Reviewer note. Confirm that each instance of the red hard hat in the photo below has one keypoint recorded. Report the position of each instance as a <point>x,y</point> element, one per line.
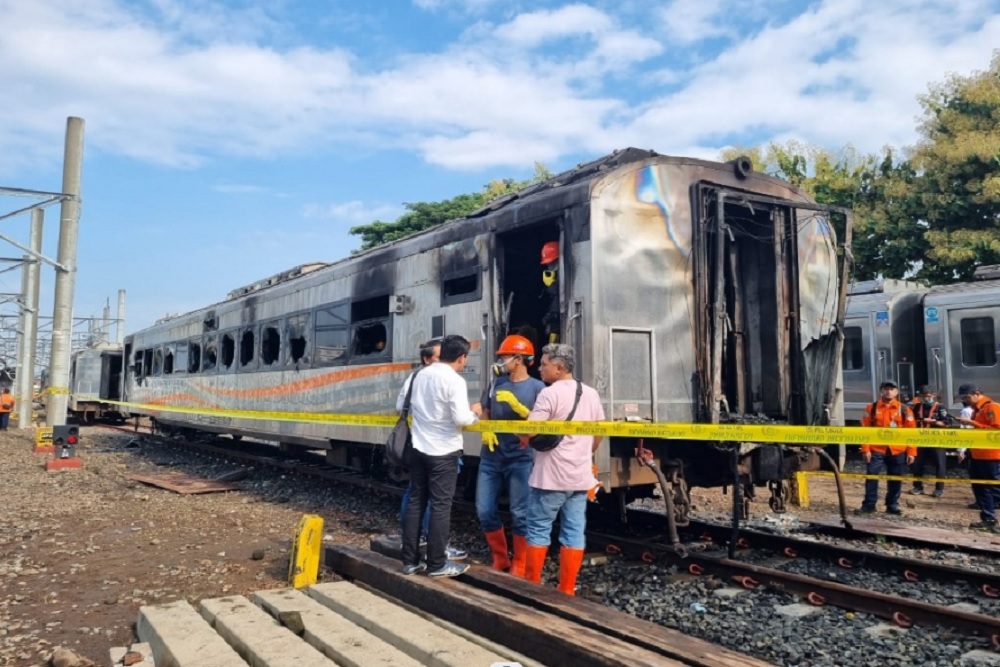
<point>550,252</point>
<point>515,344</point>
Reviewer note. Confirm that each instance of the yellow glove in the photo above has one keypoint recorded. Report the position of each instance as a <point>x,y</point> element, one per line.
<point>508,397</point>
<point>490,441</point>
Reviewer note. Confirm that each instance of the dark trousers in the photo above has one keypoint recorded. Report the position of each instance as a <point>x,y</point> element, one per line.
<point>433,480</point>
<point>987,495</point>
<point>933,457</point>
<point>894,464</point>
<point>4,420</point>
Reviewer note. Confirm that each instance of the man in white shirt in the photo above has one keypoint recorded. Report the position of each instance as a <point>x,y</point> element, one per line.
<point>440,409</point>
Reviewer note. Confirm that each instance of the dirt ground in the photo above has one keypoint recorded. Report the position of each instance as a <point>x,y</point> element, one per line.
<point>82,550</point>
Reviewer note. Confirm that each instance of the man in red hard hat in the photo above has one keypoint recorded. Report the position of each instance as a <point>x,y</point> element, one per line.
<point>502,461</point>
<point>550,264</point>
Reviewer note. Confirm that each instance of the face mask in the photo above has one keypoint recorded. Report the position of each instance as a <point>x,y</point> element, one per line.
<point>927,400</point>
<point>501,367</point>
<point>548,278</point>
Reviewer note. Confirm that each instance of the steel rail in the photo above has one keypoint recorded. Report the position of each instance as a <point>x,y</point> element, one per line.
<point>902,611</point>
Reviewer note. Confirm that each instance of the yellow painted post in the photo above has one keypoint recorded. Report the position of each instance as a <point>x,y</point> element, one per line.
<point>303,569</point>
<point>801,490</point>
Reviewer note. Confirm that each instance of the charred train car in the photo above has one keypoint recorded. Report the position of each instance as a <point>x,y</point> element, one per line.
<point>693,291</point>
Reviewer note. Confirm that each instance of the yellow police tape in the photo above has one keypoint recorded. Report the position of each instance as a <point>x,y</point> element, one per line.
<point>792,435</point>
<point>902,478</point>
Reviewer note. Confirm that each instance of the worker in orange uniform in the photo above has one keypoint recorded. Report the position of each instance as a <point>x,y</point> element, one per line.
<point>503,463</point>
<point>6,407</point>
<point>888,412</point>
<point>550,264</point>
<point>985,463</point>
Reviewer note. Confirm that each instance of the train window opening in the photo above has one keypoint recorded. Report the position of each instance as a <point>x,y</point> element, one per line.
<point>979,344</point>
<point>168,360</point>
<point>460,273</point>
<point>157,361</point>
<point>246,348</point>
<point>147,363</point>
<point>228,351</point>
<point>296,337</point>
<point>534,307</point>
<point>370,309</point>
<point>194,357</point>
<point>332,334</point>
<point>137,367</point>
<point>854,350</point>
<point>370,339</point>
<point>270,344</point>
<point>210,354</point>
<point>179,359</point>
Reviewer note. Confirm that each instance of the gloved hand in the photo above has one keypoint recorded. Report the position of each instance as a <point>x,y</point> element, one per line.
<point>592,493</point>
<point>490,441</point>
<point>508,397</point>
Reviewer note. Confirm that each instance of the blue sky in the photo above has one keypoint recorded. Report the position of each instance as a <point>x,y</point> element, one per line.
<point>230,140</point>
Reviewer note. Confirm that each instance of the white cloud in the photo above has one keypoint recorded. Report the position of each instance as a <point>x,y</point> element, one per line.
<point>352,212</point>
<point>188,84</point>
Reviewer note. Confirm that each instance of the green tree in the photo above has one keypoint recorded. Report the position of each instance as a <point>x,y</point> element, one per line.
<point>877,189</point>
<point>958,159</point>
<point>424,215</point>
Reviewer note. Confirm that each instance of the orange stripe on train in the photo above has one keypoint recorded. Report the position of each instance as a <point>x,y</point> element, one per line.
<point>309,383</point>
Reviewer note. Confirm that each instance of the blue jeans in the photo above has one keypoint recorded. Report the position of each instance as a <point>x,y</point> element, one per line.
<point>425,524</point>
<point>494,475</point>
<point>894,464</point>
<point>544,506</point>
<point>987,495</point>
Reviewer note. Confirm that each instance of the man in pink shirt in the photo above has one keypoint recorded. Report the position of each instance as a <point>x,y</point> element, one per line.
<point>562,476</point>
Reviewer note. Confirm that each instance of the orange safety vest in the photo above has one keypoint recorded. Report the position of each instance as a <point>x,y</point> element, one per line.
<point>888,415</point>
<point>6,403</point>
<point>986,414</point>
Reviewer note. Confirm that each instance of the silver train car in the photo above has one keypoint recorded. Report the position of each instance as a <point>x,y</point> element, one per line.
<point>943,336</point>
<point>693,291</point>
<point>95,379</point>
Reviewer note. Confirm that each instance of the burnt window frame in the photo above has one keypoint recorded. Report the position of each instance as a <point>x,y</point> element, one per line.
<point>991,348</point>
<point>361,317</point>
<point>138,369</point>
<point>191,345</point>
<point>278,363</point>
<point>157,362</point>
<point>861,349</point>
<point>176,348</point>
<point>205,340</point>
<point>456,262</point>
<point>318,328</point>
<point>169,353</point>
<point>307,330</point>
<point>234,335</point>
<point>253,364</point>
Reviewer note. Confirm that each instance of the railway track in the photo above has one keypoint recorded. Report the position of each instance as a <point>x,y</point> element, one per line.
<point>702,556</point>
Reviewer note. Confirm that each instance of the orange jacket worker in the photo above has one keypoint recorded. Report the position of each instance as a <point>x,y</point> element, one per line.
<point>887,412</point>
<point>6,407</point>
<point>985,463</point>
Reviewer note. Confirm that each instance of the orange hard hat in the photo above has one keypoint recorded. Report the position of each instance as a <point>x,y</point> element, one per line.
<point>550,252</point>
<point>515,344</point>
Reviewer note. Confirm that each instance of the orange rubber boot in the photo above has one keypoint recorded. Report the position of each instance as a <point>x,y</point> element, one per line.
<point>534,560</point>
<point>498,547</point>
<point>520,553</point>
<point>570,561</point>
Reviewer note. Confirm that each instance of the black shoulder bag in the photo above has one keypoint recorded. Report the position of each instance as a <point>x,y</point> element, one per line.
<point>544,442</point>
<point>400,442</point>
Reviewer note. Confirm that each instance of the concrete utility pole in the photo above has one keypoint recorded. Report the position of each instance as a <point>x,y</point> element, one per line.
<point>120,329</point>
<point>62,312</point>
<point>29,332</point>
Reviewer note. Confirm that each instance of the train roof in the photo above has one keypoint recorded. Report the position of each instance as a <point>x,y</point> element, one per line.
<point>570,188</point>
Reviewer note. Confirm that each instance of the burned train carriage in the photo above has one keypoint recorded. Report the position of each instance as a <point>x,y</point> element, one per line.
<point>693,291</point>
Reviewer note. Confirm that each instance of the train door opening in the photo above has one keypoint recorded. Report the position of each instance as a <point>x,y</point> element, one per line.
<point>747,286</point>
<point>528,291</point>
